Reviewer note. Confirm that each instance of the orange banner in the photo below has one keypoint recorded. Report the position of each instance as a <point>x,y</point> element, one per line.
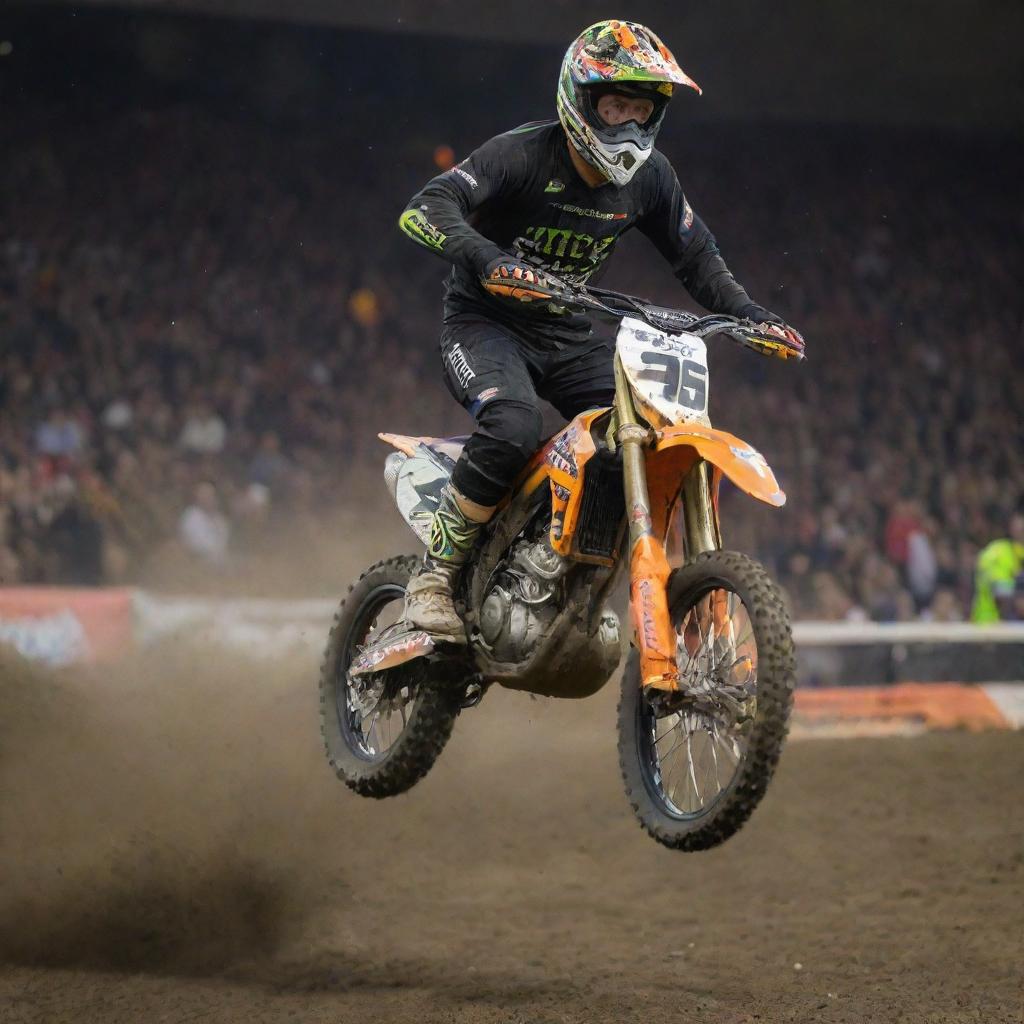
<point>61,626</point>
<point>933,705</point>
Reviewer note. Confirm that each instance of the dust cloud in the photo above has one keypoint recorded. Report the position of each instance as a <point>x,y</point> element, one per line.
<point>173,812</point>
<point>147,814</point>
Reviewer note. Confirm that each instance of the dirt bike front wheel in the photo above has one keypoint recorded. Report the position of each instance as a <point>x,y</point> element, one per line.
<point>382,732</point>
<point>697,764</point>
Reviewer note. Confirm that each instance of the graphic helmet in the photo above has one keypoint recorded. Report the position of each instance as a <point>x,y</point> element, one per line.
<point>623,57</point>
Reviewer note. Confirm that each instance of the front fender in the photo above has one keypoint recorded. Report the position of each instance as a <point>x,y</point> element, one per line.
<point>743,465</point>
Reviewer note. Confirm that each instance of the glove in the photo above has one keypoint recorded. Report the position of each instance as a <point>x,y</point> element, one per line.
<point>510,278</point>
<point>760,315</point>
<point>792,342</point>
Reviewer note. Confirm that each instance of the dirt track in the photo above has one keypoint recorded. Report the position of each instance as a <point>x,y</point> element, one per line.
<point>173,848</point>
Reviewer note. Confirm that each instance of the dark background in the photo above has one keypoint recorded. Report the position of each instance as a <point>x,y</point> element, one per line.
<point>949,62</point>
<point>197,216</point>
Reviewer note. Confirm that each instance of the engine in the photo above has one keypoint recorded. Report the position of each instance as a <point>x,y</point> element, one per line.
<point>524,600</point>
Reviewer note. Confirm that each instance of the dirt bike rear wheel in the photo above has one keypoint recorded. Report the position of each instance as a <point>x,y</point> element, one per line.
<point>370,753</point>
<point>737,663</point>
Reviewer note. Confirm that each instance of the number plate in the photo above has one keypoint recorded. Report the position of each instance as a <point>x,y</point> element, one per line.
<point>667,372</point>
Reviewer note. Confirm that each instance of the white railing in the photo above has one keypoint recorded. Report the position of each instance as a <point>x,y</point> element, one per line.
<point>268,627</point>
<point>838,634</point>
<point>159,615</point>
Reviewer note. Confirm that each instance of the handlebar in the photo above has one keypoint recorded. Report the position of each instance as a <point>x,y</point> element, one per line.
<point>768,339</point>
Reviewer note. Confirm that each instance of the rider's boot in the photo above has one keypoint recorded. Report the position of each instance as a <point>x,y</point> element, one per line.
<point>429,600</point>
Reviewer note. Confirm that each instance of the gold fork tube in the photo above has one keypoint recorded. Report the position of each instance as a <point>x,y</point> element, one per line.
<point>700,528</point>
<point>648,566</point>
<point>630,437</point>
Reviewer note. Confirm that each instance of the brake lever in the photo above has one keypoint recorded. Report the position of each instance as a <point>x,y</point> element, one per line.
<point>581,301</point>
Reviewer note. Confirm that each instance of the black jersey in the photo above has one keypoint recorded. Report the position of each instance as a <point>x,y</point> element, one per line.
<point>519,193</point>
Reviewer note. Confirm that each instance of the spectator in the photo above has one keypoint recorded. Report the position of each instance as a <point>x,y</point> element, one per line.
<point>204,432</point>
<point>903,522</point>
<point>922,565</point>
<point>59,436</point>
<point>945,607</point>
<point>268,466</point>
<point>999,588</point>
<point>74,538</point>
<point>832,603</point>
<point>204,529</point>
<point>159,327</point>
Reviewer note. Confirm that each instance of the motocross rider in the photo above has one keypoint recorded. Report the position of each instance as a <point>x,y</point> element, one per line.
<point>541,205</point>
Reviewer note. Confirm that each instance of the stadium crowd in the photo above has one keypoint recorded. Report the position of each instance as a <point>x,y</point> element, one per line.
<point>202,327</point>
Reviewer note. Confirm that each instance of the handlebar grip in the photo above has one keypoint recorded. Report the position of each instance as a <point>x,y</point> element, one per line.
<point>768,342</point>
<point>513,288</point>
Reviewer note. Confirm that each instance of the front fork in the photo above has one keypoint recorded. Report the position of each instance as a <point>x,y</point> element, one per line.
<point>648,566</point>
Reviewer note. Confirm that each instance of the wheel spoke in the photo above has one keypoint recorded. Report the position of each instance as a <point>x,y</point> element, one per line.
<point>675,785</point>
<point>371,726</point>
<point>727,746</point>
<point>675,746</point>
<point>693,774</point>
<point>714,755</point>
<point>670,731</point>
<point>700,760</point>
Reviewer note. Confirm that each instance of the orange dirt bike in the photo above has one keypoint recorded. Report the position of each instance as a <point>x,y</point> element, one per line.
<point>707,687</point>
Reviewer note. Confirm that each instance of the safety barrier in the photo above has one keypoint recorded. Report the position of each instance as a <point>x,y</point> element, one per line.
<point>831,653</point>
<point>919,669</point>
<point>910,706</point>
<point>61,626</point>
<point>841,653</point>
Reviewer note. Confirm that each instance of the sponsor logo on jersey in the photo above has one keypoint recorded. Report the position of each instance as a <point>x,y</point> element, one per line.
<point>461,369</point>
<point>582,211</point>
<point>482,399</point>
<point>573,255</point>
<point>554,185</point>
<point>415,224</point>
<point>687,215</point>
<point>457,169</point>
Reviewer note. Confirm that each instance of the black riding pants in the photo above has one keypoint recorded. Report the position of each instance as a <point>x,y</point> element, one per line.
<point>501,378</point>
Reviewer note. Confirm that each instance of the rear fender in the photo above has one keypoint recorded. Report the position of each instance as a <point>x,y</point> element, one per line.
<point>415,475</point>
<point>445,450</point>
